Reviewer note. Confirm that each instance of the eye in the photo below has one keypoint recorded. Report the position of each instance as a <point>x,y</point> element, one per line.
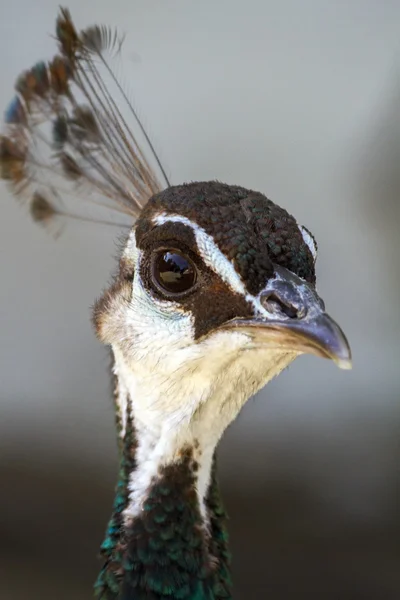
<point>173,272</point>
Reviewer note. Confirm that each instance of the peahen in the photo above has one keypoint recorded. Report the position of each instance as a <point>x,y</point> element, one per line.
<point>214,296</point>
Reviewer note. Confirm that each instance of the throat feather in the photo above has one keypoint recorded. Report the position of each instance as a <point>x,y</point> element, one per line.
<point>165,550</point>
<point>167,535</point>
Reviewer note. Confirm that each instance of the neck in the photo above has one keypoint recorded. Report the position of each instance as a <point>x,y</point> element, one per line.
<point>167,533</point>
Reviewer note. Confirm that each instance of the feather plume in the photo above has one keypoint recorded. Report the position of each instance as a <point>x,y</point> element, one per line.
<point>44,212</point>
<point>66,139</point>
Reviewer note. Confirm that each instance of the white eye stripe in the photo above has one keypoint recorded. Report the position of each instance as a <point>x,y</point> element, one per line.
<point>217,261</point>
<point>309,240</point>
<point>209,251</point>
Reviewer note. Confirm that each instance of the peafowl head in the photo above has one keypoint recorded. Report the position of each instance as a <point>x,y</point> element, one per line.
<point>215,295</point>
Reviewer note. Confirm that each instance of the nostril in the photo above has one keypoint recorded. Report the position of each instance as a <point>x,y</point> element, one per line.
<point>276,305</point>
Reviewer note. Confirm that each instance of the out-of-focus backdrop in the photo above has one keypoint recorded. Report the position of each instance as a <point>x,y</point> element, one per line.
<point>300,100</point>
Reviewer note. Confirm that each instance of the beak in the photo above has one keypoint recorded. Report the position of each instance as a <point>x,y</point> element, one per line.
<point>292,317</point>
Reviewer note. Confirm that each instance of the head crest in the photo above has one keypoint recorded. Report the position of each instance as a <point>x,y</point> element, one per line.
<point>66,136</point>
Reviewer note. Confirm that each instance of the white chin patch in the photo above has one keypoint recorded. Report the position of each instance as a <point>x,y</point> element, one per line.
<point>309,240</point>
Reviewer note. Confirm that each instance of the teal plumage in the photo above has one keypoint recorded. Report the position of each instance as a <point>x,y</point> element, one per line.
<point>108,582</point>
<point>164,552</point>
<point>219,540</point>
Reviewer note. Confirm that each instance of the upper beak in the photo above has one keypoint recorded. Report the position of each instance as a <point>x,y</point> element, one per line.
<point>292,317</point>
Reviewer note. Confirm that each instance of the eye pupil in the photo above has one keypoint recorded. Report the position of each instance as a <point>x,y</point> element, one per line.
<point>174,272</point>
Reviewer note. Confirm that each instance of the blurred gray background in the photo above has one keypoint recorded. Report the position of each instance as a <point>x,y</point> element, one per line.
<point>300,100</point>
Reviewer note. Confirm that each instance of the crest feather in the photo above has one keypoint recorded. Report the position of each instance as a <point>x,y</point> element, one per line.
<point>66,137</point>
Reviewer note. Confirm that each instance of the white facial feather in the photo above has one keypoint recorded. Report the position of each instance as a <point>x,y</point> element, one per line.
<point>309,240</point>
<point>209,252</point>
<point>184,392</point>
<point>122,399</point>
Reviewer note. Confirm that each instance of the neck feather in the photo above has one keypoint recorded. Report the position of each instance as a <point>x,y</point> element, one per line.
<point>166,536</point>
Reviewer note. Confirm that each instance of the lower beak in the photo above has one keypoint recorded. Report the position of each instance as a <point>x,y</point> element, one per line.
<point>320,336</point>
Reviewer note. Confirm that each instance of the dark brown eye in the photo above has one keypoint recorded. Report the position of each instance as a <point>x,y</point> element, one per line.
<point>174,272</point>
